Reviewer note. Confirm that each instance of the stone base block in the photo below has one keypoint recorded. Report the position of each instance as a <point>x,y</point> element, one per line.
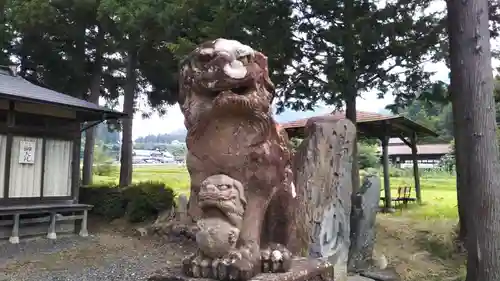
<point>302,270</point>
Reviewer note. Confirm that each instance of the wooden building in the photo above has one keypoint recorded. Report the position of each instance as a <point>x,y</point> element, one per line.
<point>429,155</point>
<point>40,137</point>
<point>383,127</point>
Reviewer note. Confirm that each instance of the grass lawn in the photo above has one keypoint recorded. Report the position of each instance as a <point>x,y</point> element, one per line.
<point>438,190</point>
<point>417,240</point>
<point>173,176</point>
<point>439,197</point>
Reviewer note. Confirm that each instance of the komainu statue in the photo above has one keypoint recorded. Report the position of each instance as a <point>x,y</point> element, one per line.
<point>234,143</point>
<point>222,201</point>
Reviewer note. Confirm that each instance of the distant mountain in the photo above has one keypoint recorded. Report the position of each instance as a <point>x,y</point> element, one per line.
<point>290,115</point>
<point>180,132</point>
<point>385,112</point>
<point>178,135</point>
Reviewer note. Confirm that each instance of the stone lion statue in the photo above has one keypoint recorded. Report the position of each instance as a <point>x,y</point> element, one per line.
<point>222,201</point>
<point>225,94</point>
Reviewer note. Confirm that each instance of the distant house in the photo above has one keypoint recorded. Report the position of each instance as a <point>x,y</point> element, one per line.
<point>152,156</point>
<point>428,155</point>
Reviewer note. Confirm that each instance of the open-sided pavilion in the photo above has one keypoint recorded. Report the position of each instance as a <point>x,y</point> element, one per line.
<point>383,127</point>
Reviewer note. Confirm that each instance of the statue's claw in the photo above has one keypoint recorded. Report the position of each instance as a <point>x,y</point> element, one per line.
<point>198,266</point>
<point>275,258</point>
<point>239,265</point>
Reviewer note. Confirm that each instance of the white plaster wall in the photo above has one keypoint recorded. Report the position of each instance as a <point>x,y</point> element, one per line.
<point>57,177</point>
<point>25,179</point>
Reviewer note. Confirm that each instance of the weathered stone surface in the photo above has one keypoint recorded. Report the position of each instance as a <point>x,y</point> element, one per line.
<point>222,201</point>
<point>301,270</point>
<point>225,95</point>
<point>364,212</point>
<point>182,208</point>
<point>358,278</point>
<point>323,182</point>
<point>388,274</point>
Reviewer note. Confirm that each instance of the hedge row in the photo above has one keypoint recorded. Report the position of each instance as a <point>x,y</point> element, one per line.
<point>137,203</point>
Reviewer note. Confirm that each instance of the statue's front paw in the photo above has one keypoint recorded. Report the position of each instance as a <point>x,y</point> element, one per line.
<point>276,258</point>
<point>198,266</point>
<point>240,265</point>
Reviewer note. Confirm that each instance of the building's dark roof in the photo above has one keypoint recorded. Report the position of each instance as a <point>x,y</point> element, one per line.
<point>18,88</point>
<point>369,124</point>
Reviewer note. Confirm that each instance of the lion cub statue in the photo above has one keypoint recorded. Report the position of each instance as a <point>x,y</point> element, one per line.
<point>222,201</point>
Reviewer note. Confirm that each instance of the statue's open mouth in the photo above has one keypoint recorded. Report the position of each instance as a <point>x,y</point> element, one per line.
<point>240,91</point>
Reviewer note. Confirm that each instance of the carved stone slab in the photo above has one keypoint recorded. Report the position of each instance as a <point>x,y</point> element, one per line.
<point>302,270</point>
<point>323,180</point>
<point>365,208</point>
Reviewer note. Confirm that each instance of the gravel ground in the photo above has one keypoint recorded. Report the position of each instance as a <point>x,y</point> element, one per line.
<point>104,256</point>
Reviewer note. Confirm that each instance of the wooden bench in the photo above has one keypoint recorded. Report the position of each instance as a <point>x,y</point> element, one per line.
<point>404,196</point>
<point>52,209</point>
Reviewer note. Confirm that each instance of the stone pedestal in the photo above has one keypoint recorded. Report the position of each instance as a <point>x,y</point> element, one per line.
<point>302,270</point>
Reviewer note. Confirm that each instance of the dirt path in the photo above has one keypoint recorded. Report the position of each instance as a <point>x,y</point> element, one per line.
<point>108,255</point>
<point>418,251</point>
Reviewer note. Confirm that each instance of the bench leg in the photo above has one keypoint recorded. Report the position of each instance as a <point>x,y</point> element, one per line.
<point>83,228</point>
<point>14,238</point>
<point>52,227</point>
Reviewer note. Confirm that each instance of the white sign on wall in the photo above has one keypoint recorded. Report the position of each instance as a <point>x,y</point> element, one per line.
<point>27,152</point>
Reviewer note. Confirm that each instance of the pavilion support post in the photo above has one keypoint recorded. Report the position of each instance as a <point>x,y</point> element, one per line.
<point>416,174</point>
<point>385,165</point>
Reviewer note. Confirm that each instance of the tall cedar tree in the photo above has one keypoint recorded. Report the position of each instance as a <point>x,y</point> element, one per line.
<point>438,93</point>
<point>474,112</point>
<point>348,47</point>
<point>68,57</point>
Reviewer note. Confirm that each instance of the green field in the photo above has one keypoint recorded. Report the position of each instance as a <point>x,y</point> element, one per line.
<point>438,189</point>
<point>439,197</point>
<point>173,176</point>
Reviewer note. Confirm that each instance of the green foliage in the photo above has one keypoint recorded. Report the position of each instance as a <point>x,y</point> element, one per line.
<point>103,164</point>
<point>448,161</point>
<point>368,155</point>
<point>361,51</point>
<point>295,143</point>
<point>434,115</point>
<point>147,199</point>
<point>162,138</point>
<point>107,200</point>
<point>139,202</point>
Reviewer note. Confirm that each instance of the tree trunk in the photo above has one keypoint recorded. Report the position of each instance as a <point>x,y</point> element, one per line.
<point>4,57</point>
<point>472,87</point>
<point>350,92</point>
<point>351,115</point>
<point>460,167</point>
<point>95,90</point>
<point>128,108</point>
